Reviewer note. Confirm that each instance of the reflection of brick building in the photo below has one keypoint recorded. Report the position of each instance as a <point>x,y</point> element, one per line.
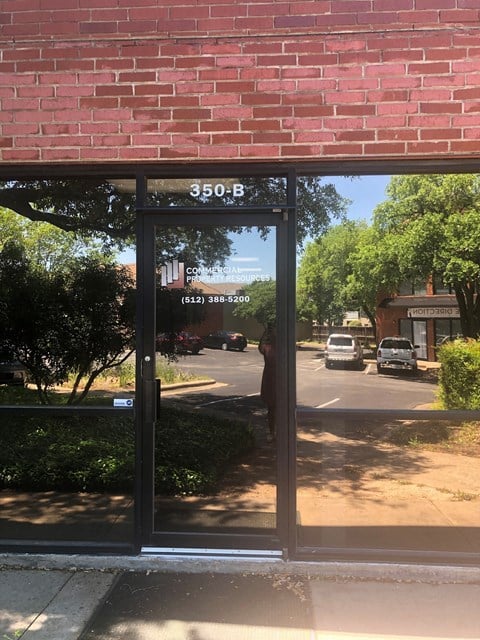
<point>426,314</point>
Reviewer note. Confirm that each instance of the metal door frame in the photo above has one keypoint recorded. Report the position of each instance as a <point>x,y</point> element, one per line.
<point>147,540</point>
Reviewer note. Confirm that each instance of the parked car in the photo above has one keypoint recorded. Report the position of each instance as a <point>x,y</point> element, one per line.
<point>182,342</point>
<point>342,348</point>
<point>11,371</point>
<point>396,353</point>
<point>226,340</point>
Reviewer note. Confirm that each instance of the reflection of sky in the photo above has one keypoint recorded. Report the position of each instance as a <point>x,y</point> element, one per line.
<point>365,192</point>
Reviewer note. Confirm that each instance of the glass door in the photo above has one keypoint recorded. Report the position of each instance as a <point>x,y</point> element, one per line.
<point>420,338</point>
<point>214,424</point>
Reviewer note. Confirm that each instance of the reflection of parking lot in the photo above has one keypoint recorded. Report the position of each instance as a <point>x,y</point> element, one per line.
<point>316,386</point>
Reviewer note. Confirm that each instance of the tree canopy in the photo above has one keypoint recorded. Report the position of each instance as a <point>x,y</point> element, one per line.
<point>324,275</point>
<point>430,227</point>
<point>102,208</point>
<point>261,304</point>
<point>78,320</point>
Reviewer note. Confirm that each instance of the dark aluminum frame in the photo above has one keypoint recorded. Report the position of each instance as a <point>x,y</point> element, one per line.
<point>283,219</point>
<point>287,271</point>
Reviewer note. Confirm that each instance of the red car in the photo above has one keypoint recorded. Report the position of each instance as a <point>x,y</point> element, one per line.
<point>182,342</point>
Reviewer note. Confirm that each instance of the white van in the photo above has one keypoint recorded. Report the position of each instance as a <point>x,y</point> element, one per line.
<point>342,348</point>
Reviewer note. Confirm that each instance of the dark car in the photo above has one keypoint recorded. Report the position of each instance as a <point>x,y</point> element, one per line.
<point>226,340</point>
<point>182,342</point>
<point>12,372</point>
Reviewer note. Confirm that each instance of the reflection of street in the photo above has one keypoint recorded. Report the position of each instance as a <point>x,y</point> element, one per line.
<point>316,386</point>
<point>360,483</point>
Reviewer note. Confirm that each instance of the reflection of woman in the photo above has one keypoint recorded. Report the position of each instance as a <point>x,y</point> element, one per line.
<point>267,348</point>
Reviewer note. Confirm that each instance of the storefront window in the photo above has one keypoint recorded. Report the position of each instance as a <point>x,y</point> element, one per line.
<point>446,330</point>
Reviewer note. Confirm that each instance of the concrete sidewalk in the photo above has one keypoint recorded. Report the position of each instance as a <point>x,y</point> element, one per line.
<point>218,600</point>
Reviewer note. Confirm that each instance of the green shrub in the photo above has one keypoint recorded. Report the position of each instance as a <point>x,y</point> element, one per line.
<point>67,453</point>
<point>193,450</point>
<point>459,377</point>
<point>97,453</point>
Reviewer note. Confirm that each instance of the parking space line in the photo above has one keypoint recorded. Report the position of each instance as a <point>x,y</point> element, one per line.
<point>325,404</point>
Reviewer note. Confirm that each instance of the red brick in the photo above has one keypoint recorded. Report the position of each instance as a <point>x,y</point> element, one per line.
<point>174,152</point>
<point>96,128</point>
<point>397,108</point>
<point>216,25</point>
<point>397,134</point>
<point>343,123</point>
<point>347,150</point>
<point>60,129</point>
<point>355,109</point>
<point>98,154</point>
<point>219,152</point>
<point>179,127</point>
<point>460,16</point>
<point>111,141</point>
<point>20,129</point>
<point>294,22</point>
<point>313,136</point>
<point>253,24</point>
<point>255,124</point>
<point>220,125</point>
<point>21,155</point>
<point>143,102</point>
<point>194,62</point>
<point>261,98</point>
<point>52,155</point>
<point>441,134</point>
<point>262,151</point>
<point>435,4</point>
<point>98,103</point>
<point>114,90</point>
<point>426,148</point>
<point>471,107</point>
<point>111,114</point>
<point>278,8</point>
<point>137,76</point>
<point>148,115</point>
<point>313,111</point>
<point>217,100</point>
<point>465,146</point>
<point>393,5</point>
<point>428,68</point>
<point>272,138</point>
<point>233,138</point>
<point>345,97</point>
<point>241,87</point>
<point>271,112</point>
<point>355,136</point>
<point>441,107</point>
<point>240,113</point>
<point>145,139</point>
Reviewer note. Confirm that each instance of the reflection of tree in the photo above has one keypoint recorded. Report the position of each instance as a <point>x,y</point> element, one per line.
<point>172,315</point>
<point>430,226</point>
<point>78,320</point>
<point>100,207</point>
<point>261,304</point>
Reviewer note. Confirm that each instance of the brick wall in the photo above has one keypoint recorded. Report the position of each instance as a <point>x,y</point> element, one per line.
<point>148,80</point>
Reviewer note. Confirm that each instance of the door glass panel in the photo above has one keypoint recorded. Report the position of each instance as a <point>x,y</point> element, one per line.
<point>215,460</point>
